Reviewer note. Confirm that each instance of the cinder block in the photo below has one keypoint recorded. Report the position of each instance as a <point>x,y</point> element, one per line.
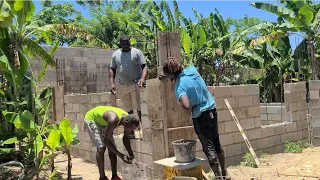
<point>82,153</point>
<point>141,146</point>
<point>290,127</point>
<point>255,100</point>
<point>292,107</point>
<point>219,103</point>
<point>263,143</point>
<point>147,134</point>
<point>289,87</point>
<point>245,101</point>
<point>302,125</point>
<point>224,115</point>
<point>233,150</point>
<point>267,131</point>
<point>254,133</point>
<point>86,145</point>
<point>303,96</point>
<point>76,99</point>
<point>252,89</point>
<point>144,109</point>
<point>237,137</point>
<point>143,95</point>
<point>95,98</point>
<point>107,97</point>
<point>68,108</point>
<point>314,94</point>
<point>233,101</point>
<point>301,87</point>
<point>71,116</point>
<point>314,85</point>
<point>301,105</point>
<point>247,123</point>
<point>280,129</point>
<point>221,127</point>
<point>75,151</point>
<point>274,140</point>
<point>253,111</point>
<point>222,91</point>
<point>88,156</point>
<point>230,126</point>
<point>226,139</point>
<point>75,107</point>
<point>146,123</point>
<point>238,90</point>
<point>257,122</point>
<point>314,103</point>
<point>279,148</point>
<point>305,133</point>
<point>286,137</point>
<point>241,113</point>
<point>297,135</point>
<point>80,116</point>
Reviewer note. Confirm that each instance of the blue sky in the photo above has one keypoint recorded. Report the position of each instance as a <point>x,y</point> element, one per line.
<point>234,9</point>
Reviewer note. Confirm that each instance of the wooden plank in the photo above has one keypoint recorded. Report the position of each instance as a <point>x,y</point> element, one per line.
<point>58,103</point>
<point>205,176</point>
<point>178,128</point>
<point>242,133</point>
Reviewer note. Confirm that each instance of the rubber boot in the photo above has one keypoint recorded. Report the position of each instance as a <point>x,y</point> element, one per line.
<point>224,170</point>
<point>216,169</point>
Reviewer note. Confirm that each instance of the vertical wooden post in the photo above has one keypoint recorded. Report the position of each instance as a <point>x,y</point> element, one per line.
<point>168,45</point>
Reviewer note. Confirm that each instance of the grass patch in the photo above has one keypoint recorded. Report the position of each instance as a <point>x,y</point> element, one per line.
<point>293,147</point>
<point>248,160</point>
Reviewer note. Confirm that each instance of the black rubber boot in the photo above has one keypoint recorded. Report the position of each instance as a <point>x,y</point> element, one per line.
<point>224,170</point>
<point>216,169</point>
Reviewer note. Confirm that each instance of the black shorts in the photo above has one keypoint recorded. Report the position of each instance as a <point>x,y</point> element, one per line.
<point>206,127</point>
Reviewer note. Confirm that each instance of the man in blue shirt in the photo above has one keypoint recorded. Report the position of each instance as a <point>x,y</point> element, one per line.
<point>193,94</point>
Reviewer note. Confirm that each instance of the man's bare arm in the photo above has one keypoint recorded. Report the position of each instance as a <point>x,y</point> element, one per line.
<point>127,145</point>
<point>185,103</point>
<point>144,68</point>
<point>112,74</point>
<point>112,124</point>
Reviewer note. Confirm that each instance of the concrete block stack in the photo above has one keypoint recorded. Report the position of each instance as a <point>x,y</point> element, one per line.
<point>83,70</point>
<point>314,106</point>
<point>272,113</point>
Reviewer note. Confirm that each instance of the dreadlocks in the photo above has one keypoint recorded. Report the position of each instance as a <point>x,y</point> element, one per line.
<point>172,65</point>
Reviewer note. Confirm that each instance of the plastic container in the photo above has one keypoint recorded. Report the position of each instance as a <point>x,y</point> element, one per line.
<point>184,150</point>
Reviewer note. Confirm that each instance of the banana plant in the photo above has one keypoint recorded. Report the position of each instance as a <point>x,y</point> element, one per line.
<point>303,18</point>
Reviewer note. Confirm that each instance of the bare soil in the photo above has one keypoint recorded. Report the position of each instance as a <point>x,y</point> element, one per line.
<point>284,166</point>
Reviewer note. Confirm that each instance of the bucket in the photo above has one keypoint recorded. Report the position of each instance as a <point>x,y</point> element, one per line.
<point>184,150</point>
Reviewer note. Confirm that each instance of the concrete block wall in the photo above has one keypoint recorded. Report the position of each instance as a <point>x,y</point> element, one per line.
<point>314,110</point>
<point>272,113</point>
<point>83,70</point>
<point>244,100</point>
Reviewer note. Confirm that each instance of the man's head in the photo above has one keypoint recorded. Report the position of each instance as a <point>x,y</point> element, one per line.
<point>131,122</point>
<point>172,68</point>
<point>125,43</point>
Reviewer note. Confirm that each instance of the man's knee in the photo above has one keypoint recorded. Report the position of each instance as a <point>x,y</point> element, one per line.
<point>101,151</point>
<point>111,154</point>
<point>213,161</point>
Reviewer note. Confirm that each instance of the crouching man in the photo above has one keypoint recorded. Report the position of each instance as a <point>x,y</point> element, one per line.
<point>193,94</point>
<point>100,123</point>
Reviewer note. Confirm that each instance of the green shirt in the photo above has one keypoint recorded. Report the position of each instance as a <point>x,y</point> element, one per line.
<point>96,114</point>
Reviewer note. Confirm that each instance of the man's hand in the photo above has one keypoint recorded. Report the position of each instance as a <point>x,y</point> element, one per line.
<point>141,82</point>
<point>161,76</point>
<point>113,89</point>
<point>126,159</point>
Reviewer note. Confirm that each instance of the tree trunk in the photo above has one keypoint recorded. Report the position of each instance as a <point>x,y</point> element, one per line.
<point>277,93</point>
<point>69,164</point>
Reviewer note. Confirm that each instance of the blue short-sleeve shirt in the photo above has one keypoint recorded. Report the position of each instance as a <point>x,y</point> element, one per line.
<point>190,83</point>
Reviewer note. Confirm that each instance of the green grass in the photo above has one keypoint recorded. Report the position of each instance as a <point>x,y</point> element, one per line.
<point>293,147</point>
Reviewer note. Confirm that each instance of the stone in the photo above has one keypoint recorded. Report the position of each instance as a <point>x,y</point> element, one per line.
<point>95,98</point>
<point>267,131</point>
<point>146,123</point>
<point>241,113</point>
<point>297,135</point>
<point>224,115</point>
<point>230,126</point>
<point>76,99</point>
<point>237,137</point>
<point>233,150</point>
<point>314,94</point>
<point>106,97</point>
<point>274,140</point>
<point>314,85</point>
<point>280,129</point>
<point>257,122</point>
